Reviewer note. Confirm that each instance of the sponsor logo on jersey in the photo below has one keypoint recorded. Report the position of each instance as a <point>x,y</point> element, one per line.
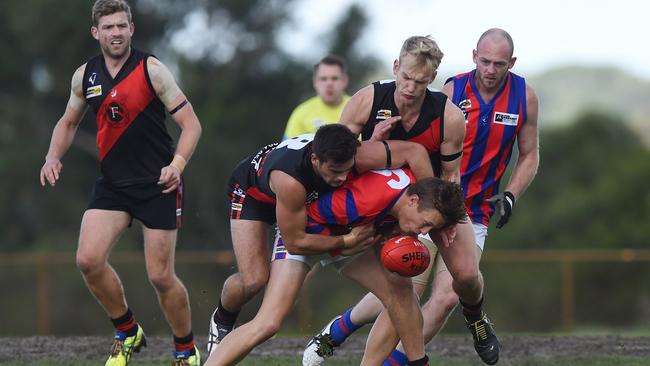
<point>179,211</point>
<point>383,114</point>
<point>114,93</point>
<point>92,78</point>
<point>236,206</point>
<point>93,91</point>
<point>508,119</point>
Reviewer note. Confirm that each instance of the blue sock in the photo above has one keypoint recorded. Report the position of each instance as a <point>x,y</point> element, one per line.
<point>396,358</point>
<point>343,327</point>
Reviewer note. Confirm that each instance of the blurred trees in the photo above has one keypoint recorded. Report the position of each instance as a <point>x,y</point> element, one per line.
<point>240,82</point>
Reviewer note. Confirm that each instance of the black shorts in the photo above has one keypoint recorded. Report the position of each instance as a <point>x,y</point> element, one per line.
<point>243,206</point>
<point>145,202</point>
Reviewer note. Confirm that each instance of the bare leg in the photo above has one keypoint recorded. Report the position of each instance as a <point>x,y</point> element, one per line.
<point>250,243</point>
<point>282,289</point>
<point>100,230</point>
<point>396,294</point>
<point>159,249</point>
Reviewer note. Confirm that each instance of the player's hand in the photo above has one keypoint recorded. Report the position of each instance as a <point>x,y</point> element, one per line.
<point>383,129</point>
<point>503,202</point>
<point>50,171</point>
<point>360,239</point>
<point>170,177</point>
<point>447,235</point>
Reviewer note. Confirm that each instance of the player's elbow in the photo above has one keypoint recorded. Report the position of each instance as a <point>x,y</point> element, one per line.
<point>294,246</point>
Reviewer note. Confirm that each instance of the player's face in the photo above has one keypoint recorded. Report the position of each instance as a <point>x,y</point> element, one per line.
<point>114,33</point>
<point>415,221</point>
<point>332,173</point>
<point>493,60</point>
<point>411,79</point>
<point>330,83</point>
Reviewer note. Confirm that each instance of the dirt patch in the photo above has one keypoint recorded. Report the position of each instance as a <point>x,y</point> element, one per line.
<point>513,348</point>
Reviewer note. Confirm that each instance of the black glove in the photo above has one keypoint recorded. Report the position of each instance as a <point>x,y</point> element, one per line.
<point>503,202</point>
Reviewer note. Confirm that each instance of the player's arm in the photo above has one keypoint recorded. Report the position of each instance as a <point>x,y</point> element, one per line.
<point>65,130</point>
<point>292,221</point>
<point>393,154</point>
<point>528,143</point>
<point>183,114</point>
<point>451,148</point>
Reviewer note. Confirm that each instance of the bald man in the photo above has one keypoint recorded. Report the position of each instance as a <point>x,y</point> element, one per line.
<point>500,108</point>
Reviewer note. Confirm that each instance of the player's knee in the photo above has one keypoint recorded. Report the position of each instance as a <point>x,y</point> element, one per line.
<point>253,286</point>
<point>265,329</point>
<point>162,282</point>
<point>468,279</point>
<point>88,264</point>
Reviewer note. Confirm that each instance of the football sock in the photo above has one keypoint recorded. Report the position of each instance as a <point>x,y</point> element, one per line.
<point>185,344</point>
<point>343,327</point>
<point>424,361</point>
<point>225,317</point>
<point>472,312</point>
<point>126,324</point>
<point>396,358</point>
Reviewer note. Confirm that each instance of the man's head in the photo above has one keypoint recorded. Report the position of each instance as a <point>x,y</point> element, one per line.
<point>493,58</point>
<point>330,79</point>
<point>333,153</point>
<point>416,67</point>
<point>431,204</point>
<point>112,27</point>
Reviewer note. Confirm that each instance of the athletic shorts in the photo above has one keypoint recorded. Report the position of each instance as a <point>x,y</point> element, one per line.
<point>144,202</point>
<point>325,259</point>
<point>437,264</point>
<point>242,205</point>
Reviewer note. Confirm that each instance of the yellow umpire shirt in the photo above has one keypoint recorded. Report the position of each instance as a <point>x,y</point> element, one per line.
<point>311,114</point>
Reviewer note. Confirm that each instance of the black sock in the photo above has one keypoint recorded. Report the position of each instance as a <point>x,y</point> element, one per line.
<point>473,312</point>
<point>424,361</point>
<point>186,343</point>
<point>225,317</point>
<point>126,323</point>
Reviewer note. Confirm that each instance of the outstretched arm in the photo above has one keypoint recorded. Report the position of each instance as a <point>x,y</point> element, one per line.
<point>451,148</point>
<point>65,130</point>
<point>183,114</point>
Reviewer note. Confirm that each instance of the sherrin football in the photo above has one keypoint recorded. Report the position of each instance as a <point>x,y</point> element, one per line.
<point>405,255</point>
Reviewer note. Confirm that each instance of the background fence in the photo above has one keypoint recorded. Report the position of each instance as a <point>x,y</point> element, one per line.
<point>527,290</point>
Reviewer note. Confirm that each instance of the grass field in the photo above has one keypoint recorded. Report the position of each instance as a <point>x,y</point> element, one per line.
<point>517,350</point>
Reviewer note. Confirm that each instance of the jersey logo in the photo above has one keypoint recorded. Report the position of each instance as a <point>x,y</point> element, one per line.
<point>312,197</point>
<point>507,119</point>
<point>114,93</point>
<point>116,114</point>
<point>93,91</point>
<point>465,106</point>
<point>92,78</point>
<point>383,114</point>
<point>318,122</point>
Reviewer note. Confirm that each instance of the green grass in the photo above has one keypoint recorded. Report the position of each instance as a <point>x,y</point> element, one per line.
<point>289,361</point>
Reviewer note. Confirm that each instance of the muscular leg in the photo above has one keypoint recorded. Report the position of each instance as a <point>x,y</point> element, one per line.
<point>396,294</point>
<point>159,249</point>
<point>282,289</point>
<point>250,244</point>
<point>460,258</point>
<point>100,230</point>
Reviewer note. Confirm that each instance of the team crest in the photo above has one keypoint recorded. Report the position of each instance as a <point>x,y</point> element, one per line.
<point>465,106</point>
<point>383,114</point>
<point>117,115</point>
<point>92,78</point>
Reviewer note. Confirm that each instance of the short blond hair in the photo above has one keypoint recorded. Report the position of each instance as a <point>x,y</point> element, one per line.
<point>107,7</point>
<point>424,49</point>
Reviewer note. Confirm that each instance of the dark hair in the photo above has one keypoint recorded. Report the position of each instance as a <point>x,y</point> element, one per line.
<point>107,7</point>
<point>336,143</point>
<point>442,195</point>
<point>333,60</point>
